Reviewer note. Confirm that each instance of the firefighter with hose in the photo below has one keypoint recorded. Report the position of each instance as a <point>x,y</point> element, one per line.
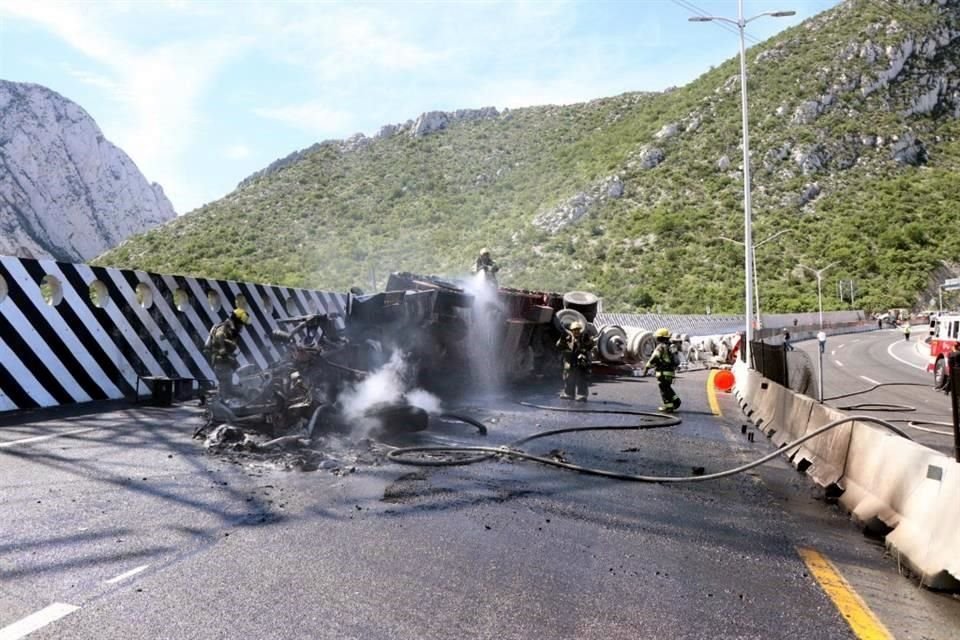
<point>663,362</point>
<point>577,347</point>
<point>486,265</point>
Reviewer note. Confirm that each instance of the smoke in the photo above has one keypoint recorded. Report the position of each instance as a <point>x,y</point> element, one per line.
<point>388,385</point>
<point>424,400</point>
<point>384,385</point>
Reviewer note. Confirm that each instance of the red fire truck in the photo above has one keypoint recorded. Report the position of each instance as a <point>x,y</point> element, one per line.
<point>944,338</point>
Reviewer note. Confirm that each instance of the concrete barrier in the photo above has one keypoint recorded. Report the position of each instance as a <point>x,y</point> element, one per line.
<point>911,493</point>
<point>771,409</point>
<point>747,388</point>
<point>928,536</point>
<point>792,415</point>
<point>912,490</point>
<point>73,333</point>
<point>827,453</point>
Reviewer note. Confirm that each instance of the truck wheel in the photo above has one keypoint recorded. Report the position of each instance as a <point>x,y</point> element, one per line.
<point>941,379</point>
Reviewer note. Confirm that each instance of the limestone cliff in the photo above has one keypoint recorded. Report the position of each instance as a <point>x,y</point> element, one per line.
<point>65,191</point>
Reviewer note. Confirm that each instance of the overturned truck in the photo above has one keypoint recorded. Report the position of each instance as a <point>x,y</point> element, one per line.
<point>440,336</point>
<point>479,335</point>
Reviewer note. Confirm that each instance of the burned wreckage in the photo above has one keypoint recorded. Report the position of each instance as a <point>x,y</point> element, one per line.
<point>381,368</point>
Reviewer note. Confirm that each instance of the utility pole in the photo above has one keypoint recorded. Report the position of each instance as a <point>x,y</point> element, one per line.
<point>741,23</point>
<point>819,274</point>
<point>756,283</point>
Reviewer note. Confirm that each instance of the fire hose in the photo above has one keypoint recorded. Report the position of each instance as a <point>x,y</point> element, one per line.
<point>511,449</point>
<point>884,406</point>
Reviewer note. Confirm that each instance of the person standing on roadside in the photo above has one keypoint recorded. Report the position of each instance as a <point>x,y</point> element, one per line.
<point>786,340</point>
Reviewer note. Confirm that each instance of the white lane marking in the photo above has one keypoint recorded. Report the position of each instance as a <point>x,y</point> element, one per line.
<point>128,574</point>
<point>841,346</point>
<point>833,352</point>
<point>899,359</point>
<point>838,363</point>
<point>40,438</point>
<point>36,620</point>
<point>870,380</point>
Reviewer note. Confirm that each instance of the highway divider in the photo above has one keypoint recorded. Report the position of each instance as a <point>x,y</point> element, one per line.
<point>892,486</point>
<point>826,454</point>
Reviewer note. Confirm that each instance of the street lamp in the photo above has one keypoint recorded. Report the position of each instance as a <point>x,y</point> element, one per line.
<point>740,23</point>
<point>822,339</point>
<point>756,284</point>
<point>819,274</point>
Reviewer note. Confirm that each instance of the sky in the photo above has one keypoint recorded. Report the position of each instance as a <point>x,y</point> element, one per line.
<point>200,94</point>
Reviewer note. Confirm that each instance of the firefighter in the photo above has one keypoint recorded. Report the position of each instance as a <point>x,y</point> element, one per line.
<point>222,345</point>
<point>486,264</point>
<point>576,346</point>
<point>663,362</point>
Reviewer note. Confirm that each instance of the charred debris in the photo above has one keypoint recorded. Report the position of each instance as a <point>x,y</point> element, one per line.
<point>344,385</point>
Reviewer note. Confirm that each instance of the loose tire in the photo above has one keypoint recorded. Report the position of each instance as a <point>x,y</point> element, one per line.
<point>941,379</point>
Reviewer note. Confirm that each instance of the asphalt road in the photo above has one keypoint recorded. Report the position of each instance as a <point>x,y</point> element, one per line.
<point>119,525</point>
<point>880,374</point>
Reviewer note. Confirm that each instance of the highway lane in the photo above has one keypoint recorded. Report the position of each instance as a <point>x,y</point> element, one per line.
<point>859,362</point>
<point>130,531</point>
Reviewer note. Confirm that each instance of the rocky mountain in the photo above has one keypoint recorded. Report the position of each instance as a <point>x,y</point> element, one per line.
<point>65,191</point>
<point>855,152</point>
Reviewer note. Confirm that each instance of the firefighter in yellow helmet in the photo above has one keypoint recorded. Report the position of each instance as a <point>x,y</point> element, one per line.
<point>222,345</point>
<point>663,362</point>
<point>576,345</point>
<point>485,264</point>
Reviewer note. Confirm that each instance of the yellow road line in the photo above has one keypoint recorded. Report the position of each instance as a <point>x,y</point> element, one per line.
<point>712,393</point>
<point>855,611</point>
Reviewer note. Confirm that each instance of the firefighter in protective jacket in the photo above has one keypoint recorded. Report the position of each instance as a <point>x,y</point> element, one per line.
<point>486,264</point>
<point>222,345</point>
<point>577,347</point>
<point>663,362</point>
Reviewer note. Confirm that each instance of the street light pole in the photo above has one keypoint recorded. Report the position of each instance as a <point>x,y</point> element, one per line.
<point>819,274</point>
<point>741,24</point>
<point>756,282</point>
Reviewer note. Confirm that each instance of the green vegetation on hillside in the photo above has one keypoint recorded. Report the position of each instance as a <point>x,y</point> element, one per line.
<point>427,204</point>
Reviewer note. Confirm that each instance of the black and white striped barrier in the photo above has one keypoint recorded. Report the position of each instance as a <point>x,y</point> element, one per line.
<point>74,333</point>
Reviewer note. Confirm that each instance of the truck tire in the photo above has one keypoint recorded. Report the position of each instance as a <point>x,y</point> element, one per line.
<point>941,379</point>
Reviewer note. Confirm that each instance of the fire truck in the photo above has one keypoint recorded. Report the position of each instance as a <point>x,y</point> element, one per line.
<point>944,338</point>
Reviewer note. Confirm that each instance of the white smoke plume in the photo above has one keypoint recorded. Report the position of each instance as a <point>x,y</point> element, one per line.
<point>389,384</point>
<point>384,385</point>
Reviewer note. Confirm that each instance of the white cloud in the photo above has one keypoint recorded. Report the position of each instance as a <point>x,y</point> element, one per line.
<point>94,79</point>
<point>315,117</point>
<point>342,41</point>
<point>238,151</point>
<point>160,87</point>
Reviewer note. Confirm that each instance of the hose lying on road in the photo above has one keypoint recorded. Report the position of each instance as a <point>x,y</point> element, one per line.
<point>510,450</point>
<point>876,386</point>
<point>877,406</point>
<point>915,424</point>
<point>882,406</point>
